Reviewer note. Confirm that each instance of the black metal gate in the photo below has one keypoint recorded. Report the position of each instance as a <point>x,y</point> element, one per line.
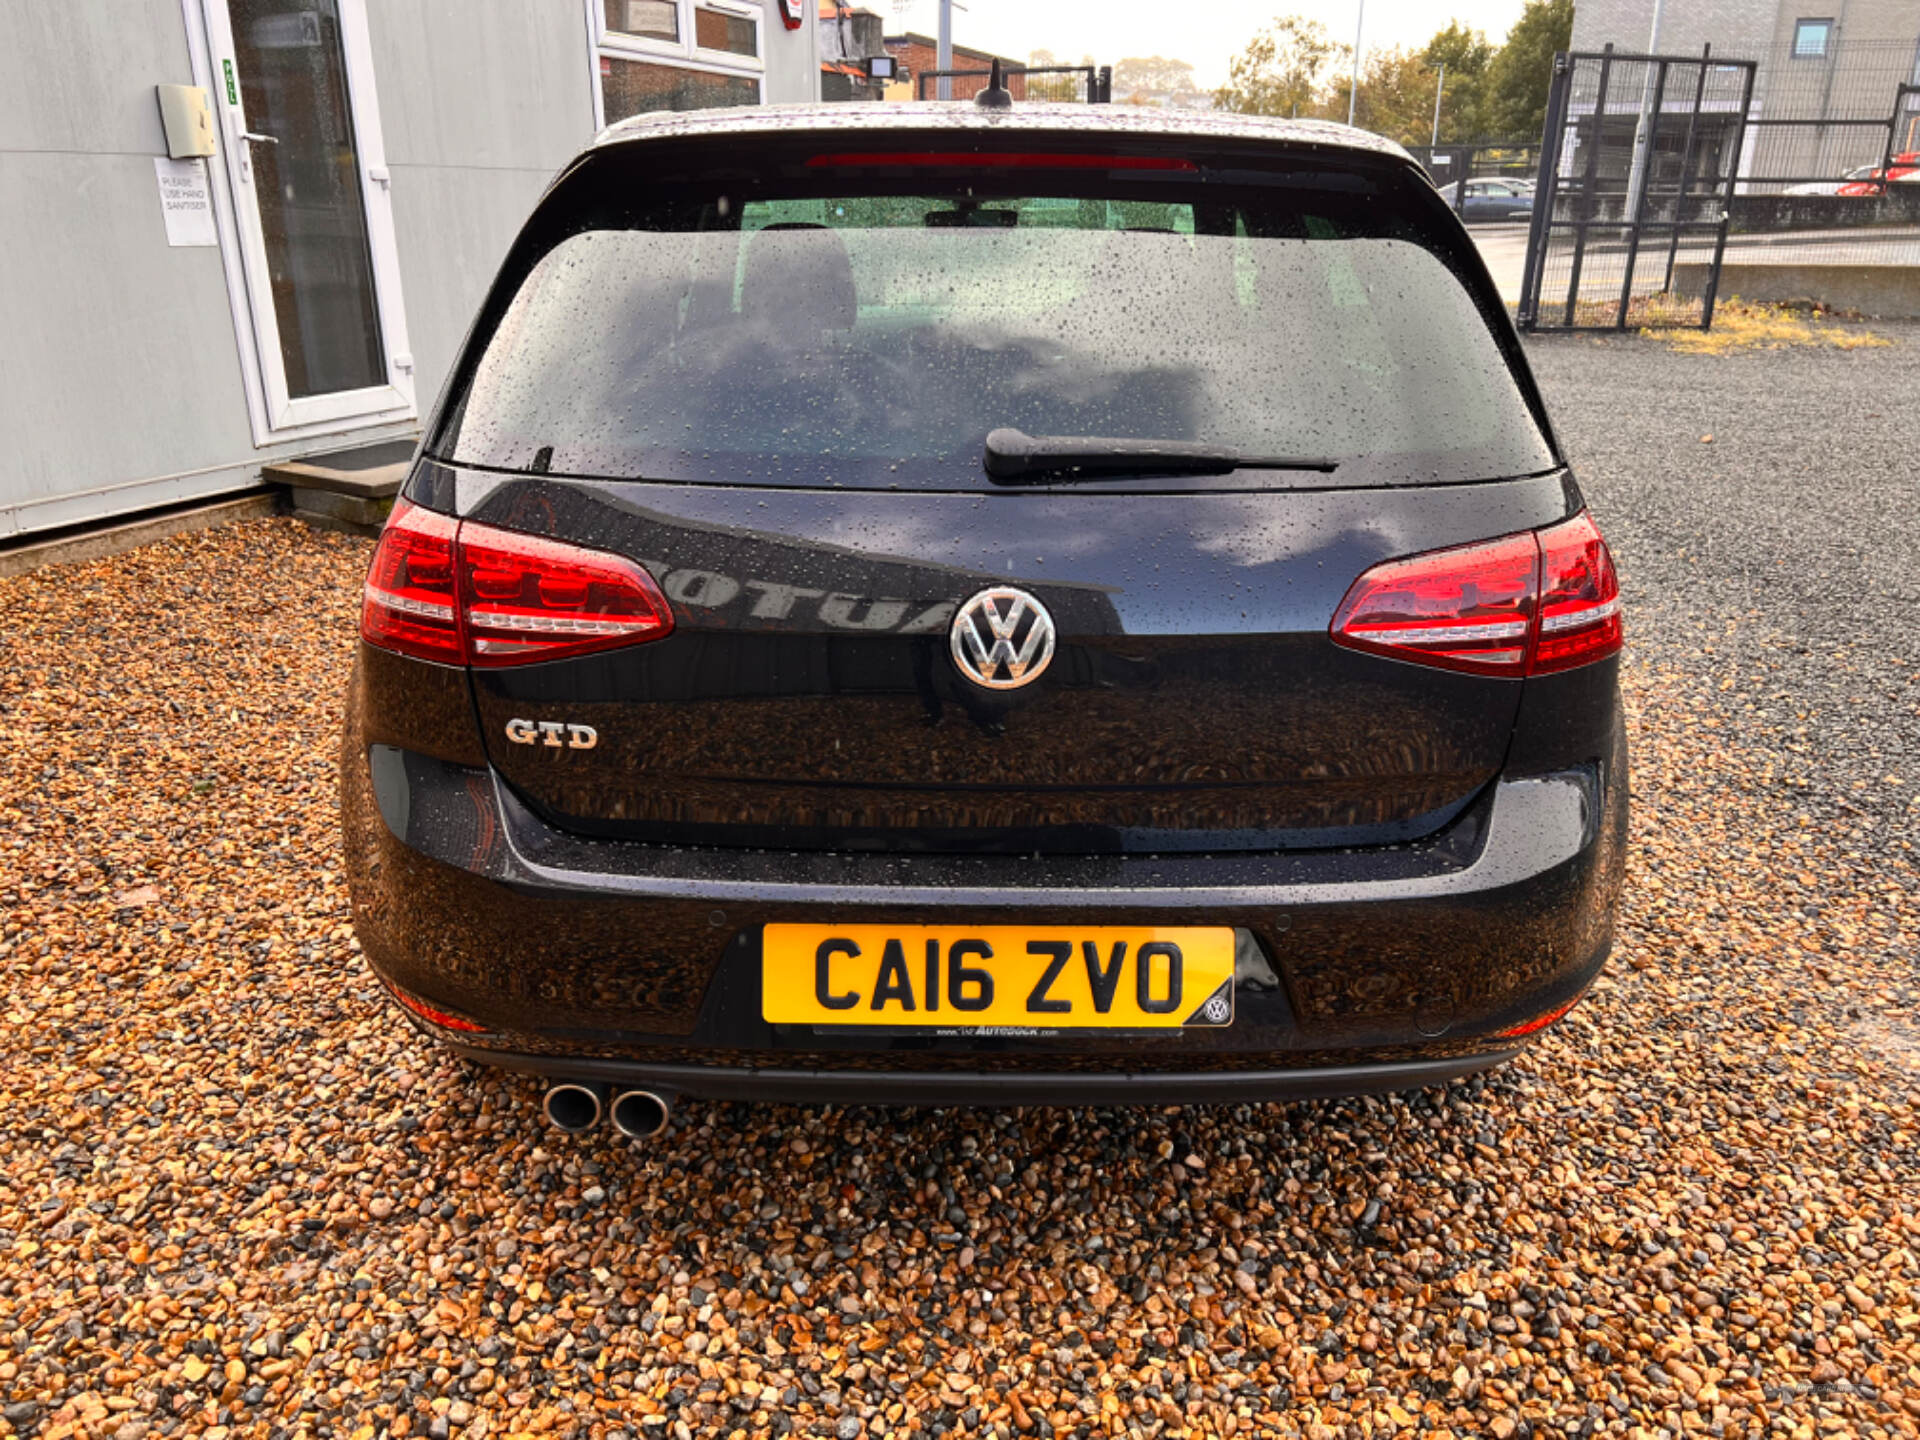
<point>1638,168</point>
<point>1081,84</point>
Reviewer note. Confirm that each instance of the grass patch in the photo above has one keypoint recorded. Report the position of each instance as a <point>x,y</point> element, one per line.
<point>1743,325</point>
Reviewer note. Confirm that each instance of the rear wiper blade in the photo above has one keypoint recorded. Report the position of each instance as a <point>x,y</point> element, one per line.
<point>1014,456</point>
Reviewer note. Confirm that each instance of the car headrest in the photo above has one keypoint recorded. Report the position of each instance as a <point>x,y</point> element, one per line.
<point>798,280</point>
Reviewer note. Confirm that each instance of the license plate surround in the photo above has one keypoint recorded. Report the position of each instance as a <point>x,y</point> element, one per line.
<point>879,976</point>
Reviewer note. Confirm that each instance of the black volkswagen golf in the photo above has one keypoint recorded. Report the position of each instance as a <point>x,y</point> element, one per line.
<point>932,604</point>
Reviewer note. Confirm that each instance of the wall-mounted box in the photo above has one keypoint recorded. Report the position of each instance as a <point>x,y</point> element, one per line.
<point>188,119</point>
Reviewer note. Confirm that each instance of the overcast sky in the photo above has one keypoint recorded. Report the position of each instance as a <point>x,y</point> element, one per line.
<point>1207,33</point>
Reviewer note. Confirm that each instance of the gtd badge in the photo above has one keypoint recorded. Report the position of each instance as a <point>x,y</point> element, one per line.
<point>551,732</point>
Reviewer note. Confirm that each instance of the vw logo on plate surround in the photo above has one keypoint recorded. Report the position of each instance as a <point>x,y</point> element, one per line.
<point>1001,638</point>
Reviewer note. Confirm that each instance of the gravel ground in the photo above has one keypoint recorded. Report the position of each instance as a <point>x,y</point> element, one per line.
<point>238,1196</point>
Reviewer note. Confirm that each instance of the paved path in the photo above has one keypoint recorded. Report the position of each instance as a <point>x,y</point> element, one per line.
<point>1504,248</point>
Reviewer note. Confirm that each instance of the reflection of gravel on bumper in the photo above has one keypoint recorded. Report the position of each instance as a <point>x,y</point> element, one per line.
<point>237,1190</point>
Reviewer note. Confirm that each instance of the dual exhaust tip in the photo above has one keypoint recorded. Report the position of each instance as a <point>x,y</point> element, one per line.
<point>575,1106</point>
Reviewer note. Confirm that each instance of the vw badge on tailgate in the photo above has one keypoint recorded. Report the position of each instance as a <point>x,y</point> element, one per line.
<point>1002,638</point>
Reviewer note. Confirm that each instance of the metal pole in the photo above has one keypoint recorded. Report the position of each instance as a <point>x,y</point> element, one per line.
<point>1540,230</point>
<point>1634,204</point>
<point>1353,89</point>
<point>1439,89</point>
<point>1748,67</point>
<point>944,56</point>
<point>1642,134</point>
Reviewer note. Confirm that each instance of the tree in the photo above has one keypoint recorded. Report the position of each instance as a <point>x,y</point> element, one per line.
<point>1465,54</point>
<point>1281,70</point>
<point>1522,69</point>
<point>1041,58</point>
<point>1396,96</point>
<point>1155,74</point>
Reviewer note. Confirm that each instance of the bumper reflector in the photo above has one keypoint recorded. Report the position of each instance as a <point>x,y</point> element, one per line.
<point>433,1015</point>
<point>1539,1022</point>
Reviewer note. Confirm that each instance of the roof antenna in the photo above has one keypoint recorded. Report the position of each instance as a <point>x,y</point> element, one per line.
<point>995,96</point>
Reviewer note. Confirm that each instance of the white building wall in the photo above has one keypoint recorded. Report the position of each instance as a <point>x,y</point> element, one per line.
<point>481,101</point>
<point>121,381</point>
<point>1735,28</point>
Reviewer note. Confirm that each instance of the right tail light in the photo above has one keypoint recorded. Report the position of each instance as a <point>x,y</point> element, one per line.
<point>463,593</point>
<point>1526,604</point>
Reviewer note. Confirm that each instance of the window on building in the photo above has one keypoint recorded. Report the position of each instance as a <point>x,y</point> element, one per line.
<point>674,55</point>
<point>1812,39</point>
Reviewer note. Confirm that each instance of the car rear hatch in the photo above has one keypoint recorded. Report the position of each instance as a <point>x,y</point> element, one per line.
<point>766,376</point>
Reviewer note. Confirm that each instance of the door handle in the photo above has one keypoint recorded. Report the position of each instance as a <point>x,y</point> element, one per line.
<point>259,139</point>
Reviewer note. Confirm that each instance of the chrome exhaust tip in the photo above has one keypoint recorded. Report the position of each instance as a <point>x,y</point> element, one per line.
<point>573,1106</point>
<point>641,1114</point>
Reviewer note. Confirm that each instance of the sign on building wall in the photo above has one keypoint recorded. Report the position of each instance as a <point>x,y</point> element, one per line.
<point>185,201</point>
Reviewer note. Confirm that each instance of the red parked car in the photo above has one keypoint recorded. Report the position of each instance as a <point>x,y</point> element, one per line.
<point>1904,167</point>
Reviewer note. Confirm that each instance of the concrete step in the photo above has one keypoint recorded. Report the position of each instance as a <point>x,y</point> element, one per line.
<point>349,490</point>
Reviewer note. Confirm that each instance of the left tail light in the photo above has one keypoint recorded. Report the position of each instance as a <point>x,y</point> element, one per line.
<point>1579,598</point>
<point>408,605</point>
<point>1526,604</point>
<point>463,593</point>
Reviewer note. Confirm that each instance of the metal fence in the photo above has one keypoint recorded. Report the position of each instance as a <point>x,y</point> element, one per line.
<point>1638,164</point>
<point>1675,181</point>
<point>1067,84</point>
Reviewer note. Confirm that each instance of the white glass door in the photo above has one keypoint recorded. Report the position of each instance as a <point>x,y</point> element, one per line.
<point>301,138</point>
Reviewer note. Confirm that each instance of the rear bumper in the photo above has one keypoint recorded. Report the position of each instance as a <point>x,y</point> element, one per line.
<point>1369,970</point>
<point>996,1087</point>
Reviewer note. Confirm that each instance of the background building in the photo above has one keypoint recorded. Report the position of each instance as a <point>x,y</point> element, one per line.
<point>1827,81</point>
<point>920,55</point>
<point>849,35</point>
<point>172,325</point>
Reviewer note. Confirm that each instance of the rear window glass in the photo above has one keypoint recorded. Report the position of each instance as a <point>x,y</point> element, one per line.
<point>853,334</point>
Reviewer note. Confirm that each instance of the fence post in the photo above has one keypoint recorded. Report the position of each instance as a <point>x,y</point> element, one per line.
<point>1540,228</point>
<point>1105,85</point>
<point>1712,289</point>
<point>1686,168</point>
<point>1893,131</point>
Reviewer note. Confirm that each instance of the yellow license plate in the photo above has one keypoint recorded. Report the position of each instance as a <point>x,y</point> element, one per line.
<point>998,976</point>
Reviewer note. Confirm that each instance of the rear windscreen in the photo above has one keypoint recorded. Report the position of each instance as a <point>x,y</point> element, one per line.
<point>838,329</point>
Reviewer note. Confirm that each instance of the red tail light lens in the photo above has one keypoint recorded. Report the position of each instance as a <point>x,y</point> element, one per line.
<point>1579,598</point>
<point>408,605</point>
<point>1524,604</point>
<point>1469,608</point>
<point>530,599</point>
<point>462,593</point>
